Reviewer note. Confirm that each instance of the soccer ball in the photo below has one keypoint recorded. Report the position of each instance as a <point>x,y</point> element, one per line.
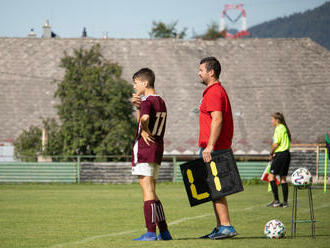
<point>301,177</point>
<point>274,229</point>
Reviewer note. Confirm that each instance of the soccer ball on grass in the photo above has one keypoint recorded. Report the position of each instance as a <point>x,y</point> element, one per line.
<point>274,229</point>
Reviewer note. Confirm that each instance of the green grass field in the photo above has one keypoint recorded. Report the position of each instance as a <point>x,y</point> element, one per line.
<point>87,215</point>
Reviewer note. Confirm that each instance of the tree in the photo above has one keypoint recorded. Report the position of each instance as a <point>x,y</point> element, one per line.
<point>212,33</point>
<point>161,30</point>
<point>55,139</point>
<point>95,110</point>
<point>311,23</point>
<point>28,144</point>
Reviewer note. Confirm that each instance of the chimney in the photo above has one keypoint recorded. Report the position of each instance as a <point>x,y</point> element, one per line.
<point>47,32</point>
<point>32,34</point>
<point>44,139</point>
<point>84,33</point>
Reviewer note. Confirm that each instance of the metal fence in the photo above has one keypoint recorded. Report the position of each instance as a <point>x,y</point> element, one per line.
<point>16,172</point>
<point>250,167</point>
<point>312,156</point>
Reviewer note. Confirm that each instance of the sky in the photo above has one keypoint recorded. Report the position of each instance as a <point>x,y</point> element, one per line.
<point>133,18</point>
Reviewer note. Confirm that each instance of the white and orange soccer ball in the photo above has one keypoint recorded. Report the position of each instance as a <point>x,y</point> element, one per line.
<point>301,178</point>
<point>274,229</point>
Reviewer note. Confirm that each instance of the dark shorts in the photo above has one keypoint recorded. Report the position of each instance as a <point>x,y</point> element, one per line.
<point>281,163</point>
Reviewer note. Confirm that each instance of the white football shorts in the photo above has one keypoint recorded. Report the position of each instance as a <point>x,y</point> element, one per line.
<point>146,169</point>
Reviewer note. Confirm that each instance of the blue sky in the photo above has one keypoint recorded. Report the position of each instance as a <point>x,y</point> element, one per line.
<point>133,18</point>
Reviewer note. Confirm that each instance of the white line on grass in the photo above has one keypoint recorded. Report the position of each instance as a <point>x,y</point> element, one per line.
<point>187,219</point>
<point>91,238</point>
<point>315,208</point>
<point>264,204</point>
<point>178,221</point>
<point>123,233</point>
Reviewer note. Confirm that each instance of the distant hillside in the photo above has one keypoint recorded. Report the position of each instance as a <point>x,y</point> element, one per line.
<point>312,23</point>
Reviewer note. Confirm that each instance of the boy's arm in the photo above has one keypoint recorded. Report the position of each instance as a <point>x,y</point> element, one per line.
<point>137,114</point>
<point>136,101</point>
<point>145,132</point>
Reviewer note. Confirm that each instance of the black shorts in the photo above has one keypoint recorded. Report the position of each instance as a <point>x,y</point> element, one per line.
<point>281,163</point>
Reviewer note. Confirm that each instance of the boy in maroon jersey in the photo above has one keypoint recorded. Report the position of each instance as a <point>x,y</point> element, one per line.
<point>148,151</point>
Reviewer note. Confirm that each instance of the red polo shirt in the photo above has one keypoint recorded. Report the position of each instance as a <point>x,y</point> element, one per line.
<point>215,98</point>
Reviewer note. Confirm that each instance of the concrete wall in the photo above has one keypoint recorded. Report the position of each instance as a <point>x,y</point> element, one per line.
<point>118,172</point>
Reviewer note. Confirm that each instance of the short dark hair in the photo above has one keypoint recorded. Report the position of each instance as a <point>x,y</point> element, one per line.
<point>211,63</point>
<point>145,74</point>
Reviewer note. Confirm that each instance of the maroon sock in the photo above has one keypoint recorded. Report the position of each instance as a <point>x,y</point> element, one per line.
<point>160,220</point>
<point>150,215</point>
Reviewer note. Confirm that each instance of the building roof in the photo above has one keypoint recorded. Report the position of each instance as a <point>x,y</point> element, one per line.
<point>261,76</point>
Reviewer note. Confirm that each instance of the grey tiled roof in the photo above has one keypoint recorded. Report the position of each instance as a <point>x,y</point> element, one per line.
<point>261,76</point>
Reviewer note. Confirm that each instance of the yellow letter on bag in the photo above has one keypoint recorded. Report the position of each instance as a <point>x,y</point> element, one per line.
<point>215,174</point>
<point>193,187</point>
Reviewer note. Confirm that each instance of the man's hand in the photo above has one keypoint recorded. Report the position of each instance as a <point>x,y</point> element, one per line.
<point>136,100</point>
<point>207,154</point>
<point>147,137</point>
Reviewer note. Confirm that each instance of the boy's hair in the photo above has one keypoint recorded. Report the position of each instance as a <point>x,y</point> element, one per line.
<point>145,74</point>
<point>211,63</point>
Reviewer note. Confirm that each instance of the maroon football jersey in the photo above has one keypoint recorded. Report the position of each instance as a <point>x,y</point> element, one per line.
<point>154,106</point>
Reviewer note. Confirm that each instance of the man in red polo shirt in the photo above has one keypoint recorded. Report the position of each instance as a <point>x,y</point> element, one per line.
<point>215,135</point>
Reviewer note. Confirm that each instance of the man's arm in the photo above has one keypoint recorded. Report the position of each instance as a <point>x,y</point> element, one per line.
<point>215,131</point>
<point>145,132</point>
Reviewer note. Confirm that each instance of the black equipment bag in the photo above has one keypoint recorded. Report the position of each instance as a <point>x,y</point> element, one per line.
<point>211,181</point>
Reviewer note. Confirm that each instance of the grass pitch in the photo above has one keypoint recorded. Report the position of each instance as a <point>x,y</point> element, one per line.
<point>87,215</point>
